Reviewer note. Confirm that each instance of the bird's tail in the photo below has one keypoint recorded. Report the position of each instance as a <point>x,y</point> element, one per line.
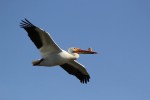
<point>36,62</point>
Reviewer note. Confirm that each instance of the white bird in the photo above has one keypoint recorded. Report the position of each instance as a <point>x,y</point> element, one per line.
<point>53,55</point>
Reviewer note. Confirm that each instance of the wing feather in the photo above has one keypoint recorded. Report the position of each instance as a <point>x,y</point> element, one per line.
<point>78,70</point>
<point>40,38</point>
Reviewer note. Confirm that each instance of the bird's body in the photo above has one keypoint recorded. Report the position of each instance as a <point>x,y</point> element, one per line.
<point>57,59</point>
<point>53,55</point>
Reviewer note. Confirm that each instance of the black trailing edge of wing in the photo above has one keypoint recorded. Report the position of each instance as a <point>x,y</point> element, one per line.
<point>32,32</point>
<point>82,77</point>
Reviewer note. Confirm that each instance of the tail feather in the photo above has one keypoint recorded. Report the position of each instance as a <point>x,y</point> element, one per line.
<point>36,62</point>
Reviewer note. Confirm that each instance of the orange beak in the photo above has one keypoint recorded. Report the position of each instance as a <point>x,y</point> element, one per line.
<point>80,51</point>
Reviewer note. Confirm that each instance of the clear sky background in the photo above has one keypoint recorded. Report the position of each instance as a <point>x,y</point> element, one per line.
<point>119,30</point>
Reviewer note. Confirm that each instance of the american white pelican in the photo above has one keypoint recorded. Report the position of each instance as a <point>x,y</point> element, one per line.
<point>53,55</point>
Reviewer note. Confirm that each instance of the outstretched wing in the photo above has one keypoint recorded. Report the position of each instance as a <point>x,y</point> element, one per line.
<point>78,70</point>
<point>40,38</point>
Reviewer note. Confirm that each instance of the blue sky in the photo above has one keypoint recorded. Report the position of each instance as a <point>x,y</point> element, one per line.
<point>119,30</point>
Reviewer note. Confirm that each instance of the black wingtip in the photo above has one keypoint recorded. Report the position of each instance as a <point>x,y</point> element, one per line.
<point>85,79</point>
<point>26,23</point>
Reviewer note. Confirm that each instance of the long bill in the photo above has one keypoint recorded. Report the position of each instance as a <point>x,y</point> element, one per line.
<point>80,51</point>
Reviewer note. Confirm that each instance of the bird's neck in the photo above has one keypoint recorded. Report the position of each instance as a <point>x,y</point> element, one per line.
<point>75,55</point>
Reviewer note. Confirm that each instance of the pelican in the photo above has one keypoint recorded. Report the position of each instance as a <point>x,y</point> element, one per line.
<point>53,55</point>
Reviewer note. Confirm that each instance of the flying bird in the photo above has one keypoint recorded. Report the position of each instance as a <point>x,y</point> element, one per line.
<point>53,55</point>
